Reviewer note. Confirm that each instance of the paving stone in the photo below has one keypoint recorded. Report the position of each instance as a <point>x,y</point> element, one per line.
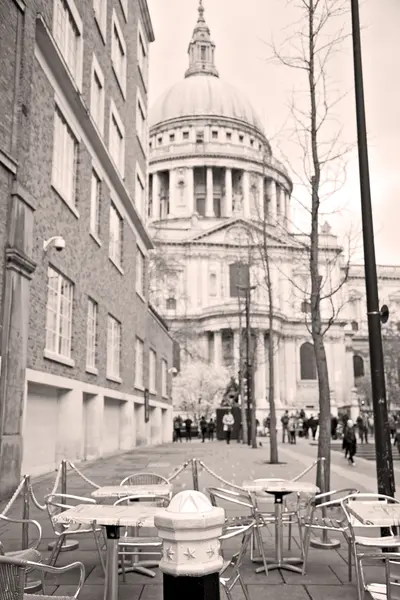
<point>330,592</point>
<point>316,574</point>
<point>96,592</point>
<point>373,574</point>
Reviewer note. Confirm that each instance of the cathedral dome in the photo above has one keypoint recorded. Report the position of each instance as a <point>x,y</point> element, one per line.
<point>204,96</point>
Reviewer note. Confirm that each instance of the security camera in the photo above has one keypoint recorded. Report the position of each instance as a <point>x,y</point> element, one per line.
<point>57,241</point>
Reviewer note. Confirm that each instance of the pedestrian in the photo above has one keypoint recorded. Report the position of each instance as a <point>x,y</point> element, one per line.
<point>285,424</point>
<point>292,429</point>
<point>228,422</point>
<point>177,429</point>
<point>211,429</point>
<point>188,429</point>
<point>351,441</point>
<point>203,428</point>
<point>334,425</point>
<point>397,439</point>
<point>313,424</point>
<point>371,425</point>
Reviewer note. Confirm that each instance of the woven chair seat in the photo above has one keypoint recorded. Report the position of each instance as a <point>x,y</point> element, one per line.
<point>324,522</point>
<point>41,597</point>
<point>29,554</point>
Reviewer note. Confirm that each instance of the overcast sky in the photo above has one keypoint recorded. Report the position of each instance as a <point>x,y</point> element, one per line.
<point>240,31</point>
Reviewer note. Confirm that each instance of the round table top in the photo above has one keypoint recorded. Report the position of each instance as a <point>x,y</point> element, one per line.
<point>282,486</point>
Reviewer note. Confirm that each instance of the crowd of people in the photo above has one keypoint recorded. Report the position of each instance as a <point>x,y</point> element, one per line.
<point>185,426</point>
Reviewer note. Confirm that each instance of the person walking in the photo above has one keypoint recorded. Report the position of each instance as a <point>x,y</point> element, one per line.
<point>188,429</point>
<point>396,441</point>
<point>292,429</point>
<point>285,424</point>
<point>211,429</point>
<point>351,441</point>
<point>177,429</point>
<point>228,422</point>
<point>203,428</point>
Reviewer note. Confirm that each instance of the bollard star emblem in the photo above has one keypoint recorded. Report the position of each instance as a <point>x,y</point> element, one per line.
<point>169,553</point>
<point>210,552</point>
<point>190,553</point>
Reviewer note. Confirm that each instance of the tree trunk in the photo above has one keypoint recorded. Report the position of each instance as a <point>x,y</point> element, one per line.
<point>241,373</point>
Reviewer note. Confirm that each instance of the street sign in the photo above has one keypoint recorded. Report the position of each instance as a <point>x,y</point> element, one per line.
<point>384,314</point>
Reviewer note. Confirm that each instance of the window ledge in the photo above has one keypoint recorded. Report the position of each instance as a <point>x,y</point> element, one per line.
<point>101,29</point>
<point>143,299</point>
<point>114,378</point>
<point>142,77</point>
<point>96,238</point>
<point>92,370</point>
<point>153,392</point>
<point>141,145</point>
<point>139,387</point>
<point>70,206</point>
<point>164,397</point>
<point>117,266</point>
<point>64,360</point>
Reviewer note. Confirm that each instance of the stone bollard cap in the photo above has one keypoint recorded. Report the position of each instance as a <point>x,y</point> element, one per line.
<point>190,529</point>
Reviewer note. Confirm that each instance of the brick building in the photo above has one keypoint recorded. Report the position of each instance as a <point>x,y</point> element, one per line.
<point>80,343</point>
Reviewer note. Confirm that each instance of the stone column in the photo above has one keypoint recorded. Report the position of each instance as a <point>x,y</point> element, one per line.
<point>279,203</point>
<point>260,207</point>
<point>190,191</point>
<point>236,349</point>
<point>127,437</point>
<point>156,195</point>
<point>94,426</point>
<point>260,387</point>
<point>18,271</point>
<point>210,193</point>
<point>272,201</point>
<point>291,370</point>
<point>70,421</point>
<point>172,192</point>
<point>217,348</point>
<point>166,417</point>
<point>287,211</point>
<point>246,194</point>
<point>156,426</point>
<point>140,425</point>
<point>277,371</point>
<point>228,193</point>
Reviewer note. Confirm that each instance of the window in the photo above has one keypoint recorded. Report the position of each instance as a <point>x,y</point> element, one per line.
<point>152,371</point>
<point>164,378</point>
<point>239,277</point>
<point>95,199</point>
<point>241,138</point>
<point>140,271</point>
<point>358,366</point>
<point>65,155</point>
<point>171,303</point>
<point>159,140</point>
<point>185,135</point>
<point>113,348</point>
<point>354,325</point>
<point>118,53</point>
<point>97,95</point>
<point>203,50</point>
<point>115,242</point>
<point>171,137</point>
<point>252,143</point>
<point>140,195</point>
<point>139,370</point>
<point>308,369</point>
<point>68,35</point>
<point>214,135</point>
<point>199,136</point>
<point>306,307</point>
<point>100,14</point>
<point>117,139</point>
<point>141,122</point>
<point>228,135</point>
<point>91,334</point>
<point>213,284</point>
<point>58,314</point>
<point>142,55</point>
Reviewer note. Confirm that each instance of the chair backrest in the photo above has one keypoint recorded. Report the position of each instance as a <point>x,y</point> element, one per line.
<point>12,578</point>
<point>363,498</point>
<point>151,499</point>
<point>392,579</point>
<point>144,479</point>
<point>241,498</point>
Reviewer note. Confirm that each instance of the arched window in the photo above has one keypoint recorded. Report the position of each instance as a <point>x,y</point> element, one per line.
<point>358,366</point>
<point>354,325</point>
<point>308,369</point>
<point>171,303</point>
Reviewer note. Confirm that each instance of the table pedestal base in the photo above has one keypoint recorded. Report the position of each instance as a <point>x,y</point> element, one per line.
<point>142,567</point>
<point>287,564</point>
<point>67,546</point>
<point>324,544</point>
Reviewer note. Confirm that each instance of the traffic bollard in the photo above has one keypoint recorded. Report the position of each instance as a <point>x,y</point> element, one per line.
<point>191,561</point>
<point>68,544</point>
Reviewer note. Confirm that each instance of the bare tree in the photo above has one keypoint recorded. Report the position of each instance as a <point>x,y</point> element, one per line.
<point>318,35</point>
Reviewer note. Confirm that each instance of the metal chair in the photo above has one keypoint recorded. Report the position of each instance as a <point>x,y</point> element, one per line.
<point>390,590</point>
<point>246,500</point>
<point>57,503</point>
<point>226,579</point>
<point>358,541</point>
<point>144,479</point>
<point>30,553</point>
<point>13,575</point>
<point>137,543</point>
<point>316,520</point>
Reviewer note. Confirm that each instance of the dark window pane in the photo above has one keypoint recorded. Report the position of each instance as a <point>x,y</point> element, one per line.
<point>358,366</point>
<point>308,368</point>
<point>239,277</point>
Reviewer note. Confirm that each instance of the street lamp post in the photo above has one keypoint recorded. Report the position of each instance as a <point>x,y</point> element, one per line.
<point>384,459</point>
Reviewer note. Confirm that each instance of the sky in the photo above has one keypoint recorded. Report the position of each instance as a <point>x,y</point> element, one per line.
<point>242,32</point>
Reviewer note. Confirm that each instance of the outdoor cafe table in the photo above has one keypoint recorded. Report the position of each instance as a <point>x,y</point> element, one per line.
<point>374,514</point>
<point>279,489</point>
<point>120,491</point>
<point>112,518</point>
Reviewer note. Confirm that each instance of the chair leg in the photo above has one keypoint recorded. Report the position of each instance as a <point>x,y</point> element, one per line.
<point>252,546</point>
<point>359,581</point>
<point>300,536</point>
<point>228,592</point>
<point>98,547</point>
<point>290,535</point>
<point>122,557</point>
<point>349,557</point>
<point>244,587</point>
<point>261,547</point>
<point>307,536</point>
<point>56,550</point>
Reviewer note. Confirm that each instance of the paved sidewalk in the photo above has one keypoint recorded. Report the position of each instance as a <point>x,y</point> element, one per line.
<point>327,572</point>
